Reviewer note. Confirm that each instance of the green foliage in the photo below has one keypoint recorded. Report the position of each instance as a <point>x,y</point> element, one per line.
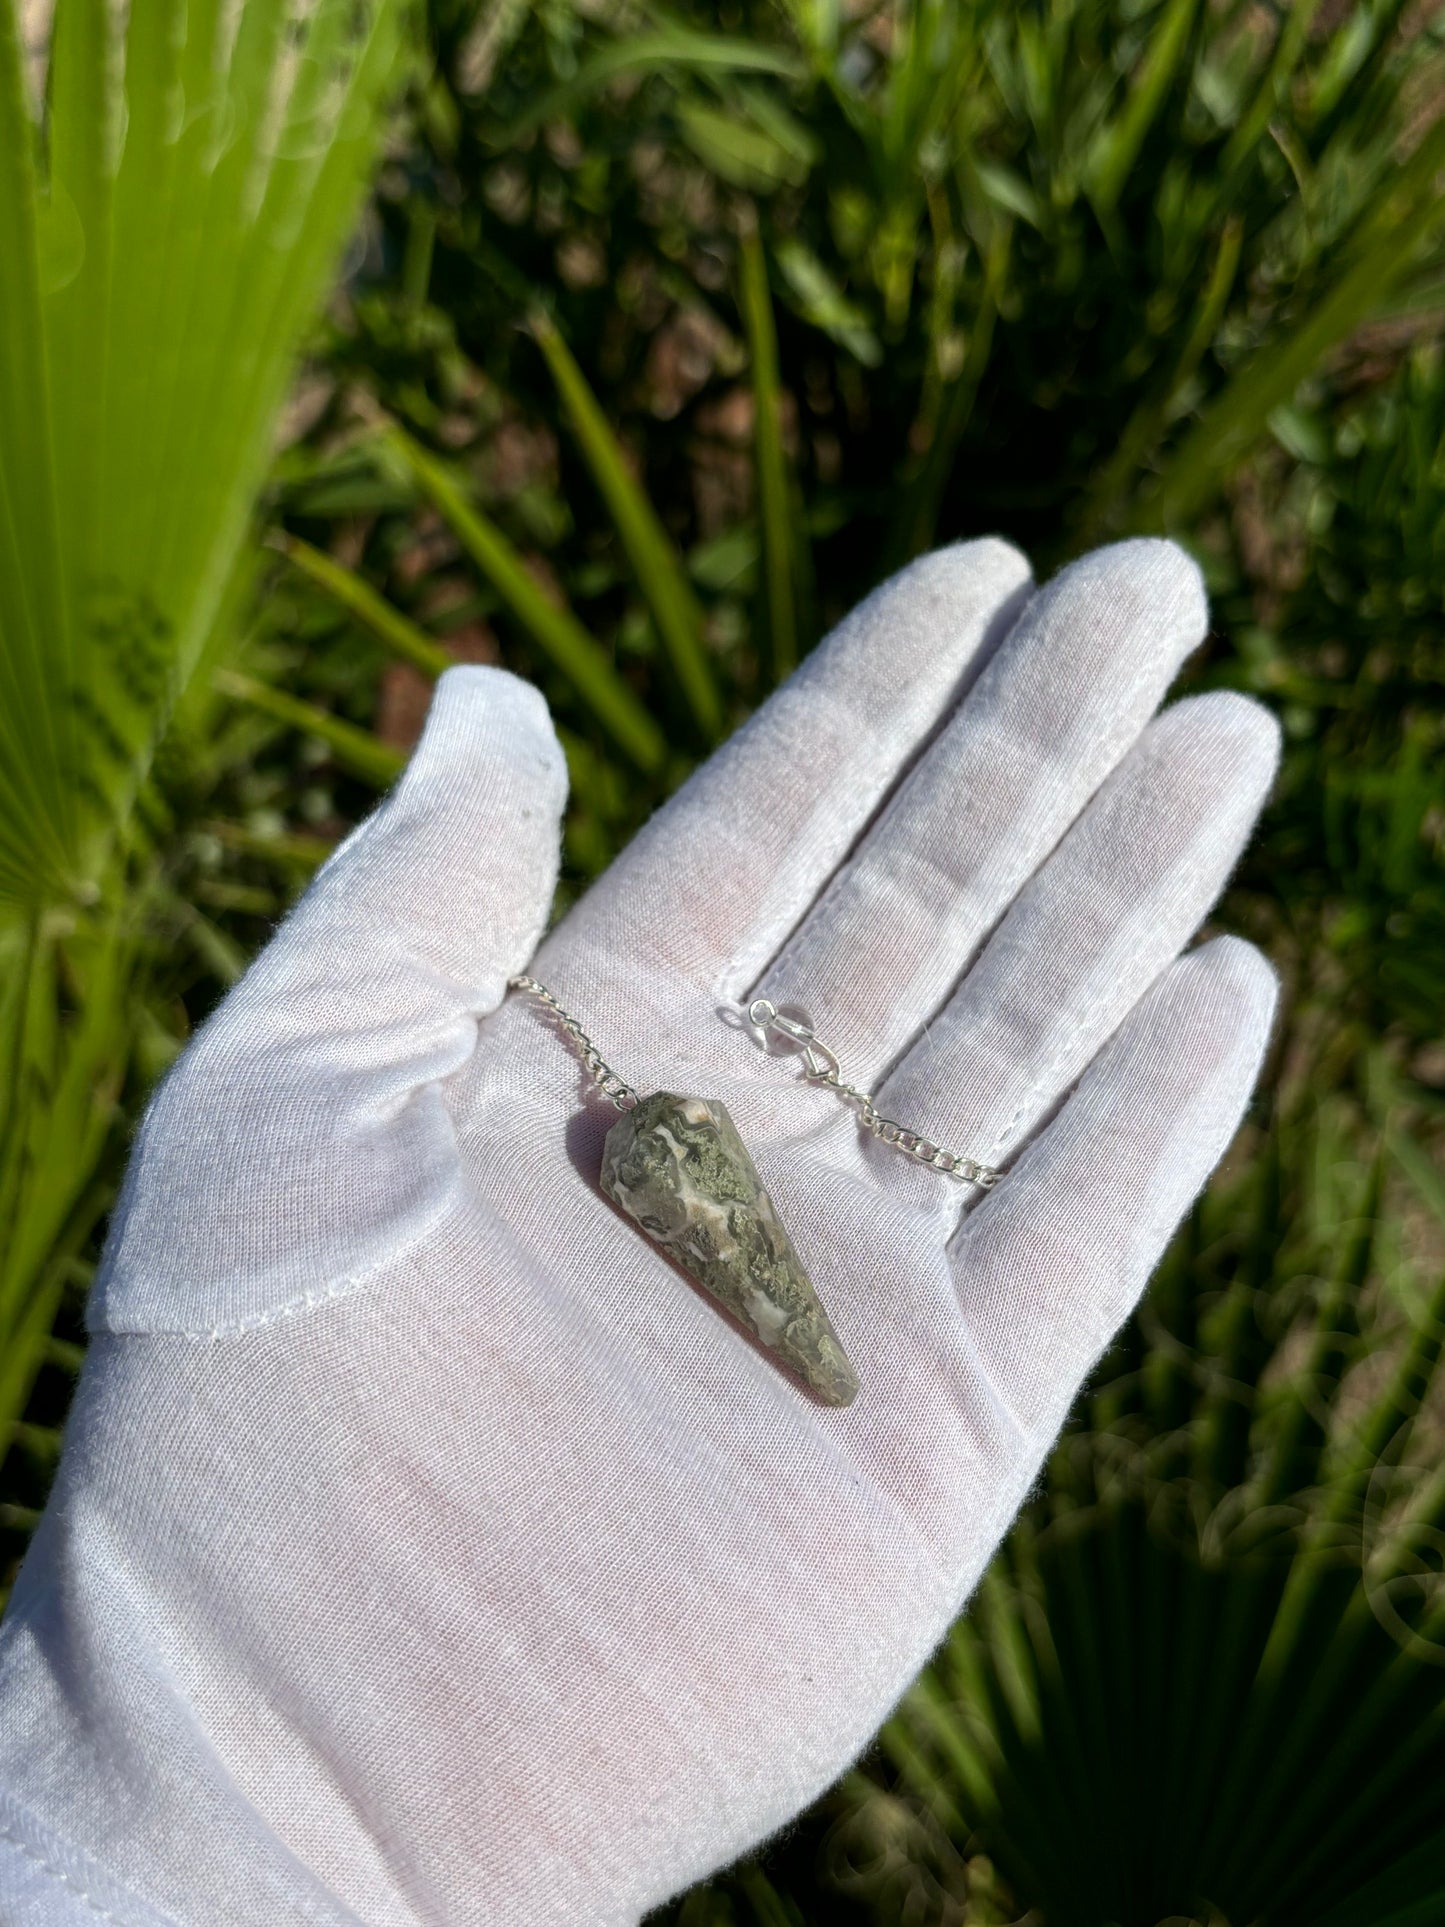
<point>174,222</point>
<point>554,630</point>
<point>658,569</point>
<point>779,537</point>
<point>170,214</point>
<point>1060,269</point>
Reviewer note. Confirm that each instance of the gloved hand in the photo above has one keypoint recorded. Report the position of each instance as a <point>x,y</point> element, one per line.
<point>426,1547</point>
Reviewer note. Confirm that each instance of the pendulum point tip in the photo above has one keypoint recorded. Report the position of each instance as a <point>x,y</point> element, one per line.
<point>678,1168</point>
<point>838,1388</point>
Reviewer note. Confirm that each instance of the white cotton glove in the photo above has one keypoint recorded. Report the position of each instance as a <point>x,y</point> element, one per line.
<point>426,1547</point>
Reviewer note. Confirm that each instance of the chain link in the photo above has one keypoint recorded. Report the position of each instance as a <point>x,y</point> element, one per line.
<point>820,1066</point>
<point>615,1089</point>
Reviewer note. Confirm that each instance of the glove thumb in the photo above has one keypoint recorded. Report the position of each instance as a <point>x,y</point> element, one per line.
<point>304,1136</point>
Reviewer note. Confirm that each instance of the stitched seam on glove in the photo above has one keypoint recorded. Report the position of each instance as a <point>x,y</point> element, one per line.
<point>297,1307</point>
<point>137,1913</point>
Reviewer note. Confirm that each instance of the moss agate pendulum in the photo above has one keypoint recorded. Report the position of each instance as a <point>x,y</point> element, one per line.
<point>678,1168</point>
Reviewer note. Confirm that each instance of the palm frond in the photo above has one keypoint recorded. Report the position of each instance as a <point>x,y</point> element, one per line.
<point>167,229</point>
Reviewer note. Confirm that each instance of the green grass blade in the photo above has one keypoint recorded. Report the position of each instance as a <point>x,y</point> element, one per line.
<point>1146,426</point>
<point>640,53</point>
<point>357,750</point>
<point>1290,45</point>
<point>660,571</point>
<point>1408,211</point>
<point>1301,1433</point>
<point>916,523</point>
<point>396,633</point>
<point>775,517</point>
<point>556,632</point>
<point>1116,147</point>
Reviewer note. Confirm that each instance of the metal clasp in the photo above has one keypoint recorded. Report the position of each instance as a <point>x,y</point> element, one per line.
<point>820,1066</point>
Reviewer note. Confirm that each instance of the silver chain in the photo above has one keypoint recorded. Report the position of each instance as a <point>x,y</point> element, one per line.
<point>614,1088</point>
<point>820,1066</point>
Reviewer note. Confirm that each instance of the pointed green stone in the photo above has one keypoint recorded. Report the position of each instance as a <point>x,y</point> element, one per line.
<point>678,1168</point>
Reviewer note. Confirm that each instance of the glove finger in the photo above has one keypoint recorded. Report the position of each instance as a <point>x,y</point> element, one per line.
<point>1110,909</point>
<point>1056,709</point>
<point>459,863</point>
<point>1054,1260</point>
<point>713,884</point>
<point>305,1135</point>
